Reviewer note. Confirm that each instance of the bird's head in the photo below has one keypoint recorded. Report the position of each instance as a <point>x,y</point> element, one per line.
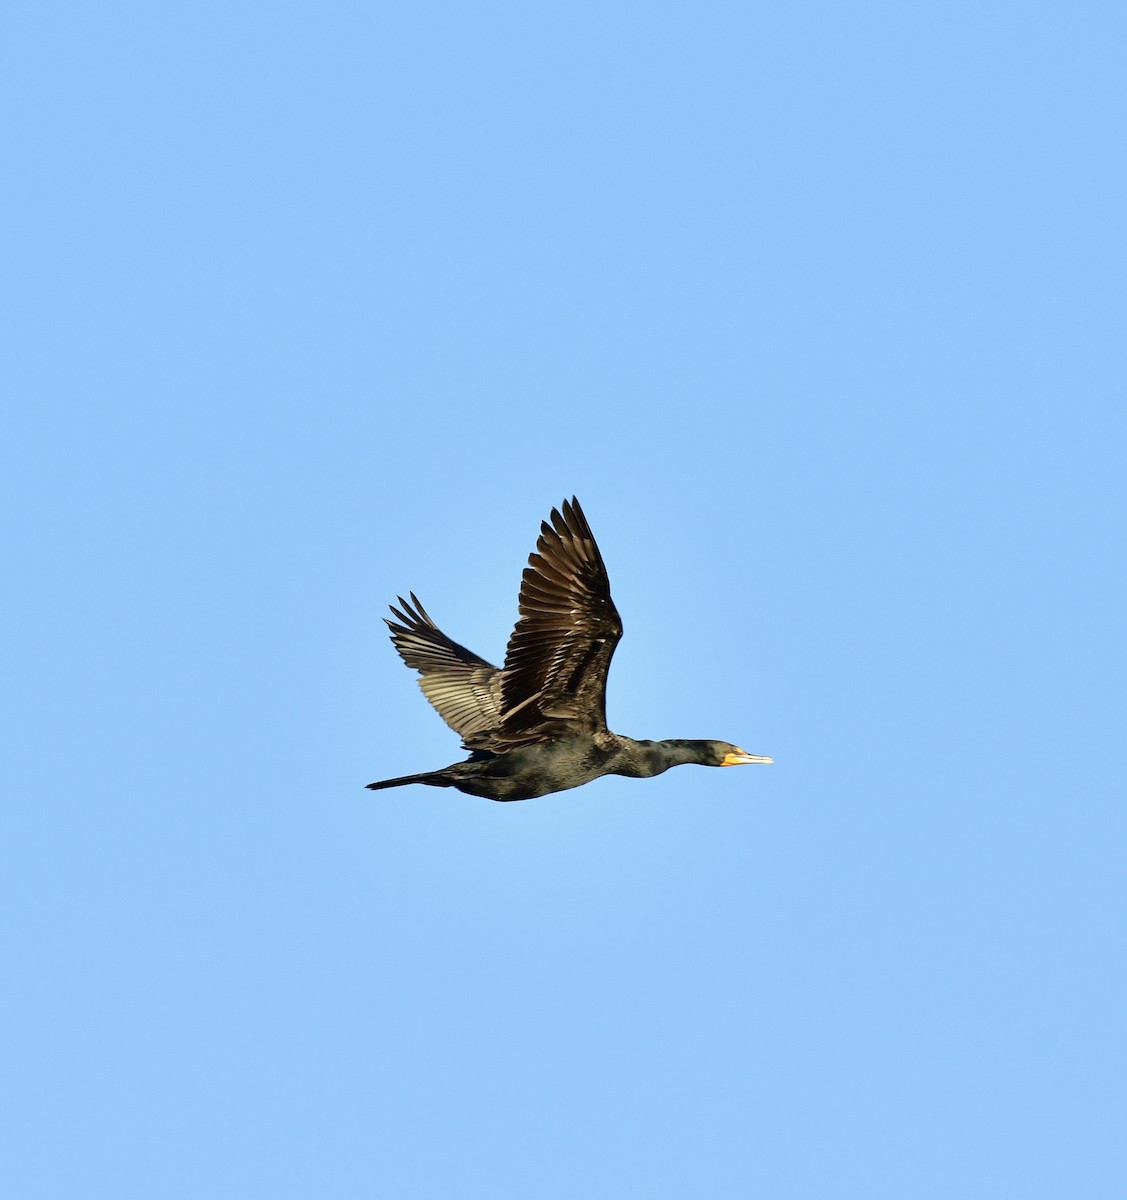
<point>727,755</point>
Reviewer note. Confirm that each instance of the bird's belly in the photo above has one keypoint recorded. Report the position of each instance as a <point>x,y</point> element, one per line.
<point>517,778</point>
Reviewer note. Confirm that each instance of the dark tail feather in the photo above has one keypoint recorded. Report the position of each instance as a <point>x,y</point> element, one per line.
<point>434,778</point>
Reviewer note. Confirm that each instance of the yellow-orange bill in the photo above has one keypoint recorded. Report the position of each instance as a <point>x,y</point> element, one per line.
<point>735,757</point>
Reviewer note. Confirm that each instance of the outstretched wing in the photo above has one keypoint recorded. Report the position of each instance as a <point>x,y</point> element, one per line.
<point>465,689</point>
<point>556,664</point>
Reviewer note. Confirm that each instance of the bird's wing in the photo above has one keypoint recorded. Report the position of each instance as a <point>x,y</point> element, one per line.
<point>465,689</point>
<point>555,672</point>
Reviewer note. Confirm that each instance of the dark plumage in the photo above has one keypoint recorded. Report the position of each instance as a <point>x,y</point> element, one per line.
<point>538,725</point>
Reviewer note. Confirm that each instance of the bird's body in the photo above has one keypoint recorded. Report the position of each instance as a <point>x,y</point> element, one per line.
<point>539,724</point>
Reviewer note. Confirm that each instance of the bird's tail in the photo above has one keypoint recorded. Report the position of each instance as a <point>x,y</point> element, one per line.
<point>434,778</point>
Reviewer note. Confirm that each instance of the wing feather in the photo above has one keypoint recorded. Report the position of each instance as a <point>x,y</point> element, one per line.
<point>556,664</point>
<point>464,689</point>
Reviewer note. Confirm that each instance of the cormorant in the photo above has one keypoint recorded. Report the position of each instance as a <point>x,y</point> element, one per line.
<point>538,724</point>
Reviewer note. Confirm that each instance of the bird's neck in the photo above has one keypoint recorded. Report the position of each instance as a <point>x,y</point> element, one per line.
<point>644,759</point>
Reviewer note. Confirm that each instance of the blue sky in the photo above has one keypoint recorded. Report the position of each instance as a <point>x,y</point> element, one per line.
<point>819,309</point>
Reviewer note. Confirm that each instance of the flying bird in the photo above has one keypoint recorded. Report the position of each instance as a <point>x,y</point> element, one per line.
<point>538,724</point>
